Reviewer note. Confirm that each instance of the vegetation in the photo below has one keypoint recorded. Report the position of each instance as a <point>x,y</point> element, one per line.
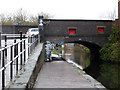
<point>111,50</point>
<point>87,50</point>
<point>54,52</point>
<point>110,74</point>
<point>23,16</point>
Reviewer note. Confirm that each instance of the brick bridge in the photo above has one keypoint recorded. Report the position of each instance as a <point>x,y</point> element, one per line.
<point>77,31</point>
<point>90,33</point>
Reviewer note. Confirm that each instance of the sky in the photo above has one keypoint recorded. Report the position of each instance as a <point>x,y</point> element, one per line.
<point>62,9</point>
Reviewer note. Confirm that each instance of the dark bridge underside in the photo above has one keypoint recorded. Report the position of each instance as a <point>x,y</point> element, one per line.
<point>86,41</point>
<point>94,47</point>
<point>98,40</point>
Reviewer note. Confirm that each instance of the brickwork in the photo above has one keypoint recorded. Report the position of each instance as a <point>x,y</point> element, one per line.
<point>86,30</point>
<point>119,12</point>
<point>14,29</point>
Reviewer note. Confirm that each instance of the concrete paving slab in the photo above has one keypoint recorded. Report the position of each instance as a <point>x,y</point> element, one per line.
<point>60,74</point>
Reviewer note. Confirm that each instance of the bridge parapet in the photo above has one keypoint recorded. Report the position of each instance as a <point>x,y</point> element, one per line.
<point>94,31</point>
<point>98,40</point>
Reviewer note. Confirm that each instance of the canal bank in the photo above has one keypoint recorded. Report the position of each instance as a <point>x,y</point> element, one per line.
<point>79,69</point>
<point>106,73</point>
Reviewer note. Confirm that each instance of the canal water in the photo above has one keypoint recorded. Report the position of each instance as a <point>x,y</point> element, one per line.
<point>104,72</point>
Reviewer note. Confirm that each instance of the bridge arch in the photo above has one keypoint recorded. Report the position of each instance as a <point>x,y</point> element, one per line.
<point>94,59</point>
<point>94,49</point>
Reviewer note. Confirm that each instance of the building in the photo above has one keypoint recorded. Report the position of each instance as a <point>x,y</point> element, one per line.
<point>119,13</point>
<point>118,20</point>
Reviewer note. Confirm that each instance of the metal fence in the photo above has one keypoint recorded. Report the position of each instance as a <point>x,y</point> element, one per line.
<point>14,56</point>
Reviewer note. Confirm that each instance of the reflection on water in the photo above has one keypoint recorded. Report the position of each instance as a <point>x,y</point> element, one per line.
<point>109,75</point>
<point>106,73</point>
<point>77,54</point>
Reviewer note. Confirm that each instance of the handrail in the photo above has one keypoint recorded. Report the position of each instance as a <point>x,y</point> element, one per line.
<point>12,34</point>
<point>23,46</point>
<point>11,45</point>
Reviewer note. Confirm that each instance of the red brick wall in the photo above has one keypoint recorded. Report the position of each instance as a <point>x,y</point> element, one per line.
<point>119,12</point>
<point>117,22</point>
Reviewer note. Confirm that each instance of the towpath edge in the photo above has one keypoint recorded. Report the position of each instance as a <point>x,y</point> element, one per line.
<point>27,76</point>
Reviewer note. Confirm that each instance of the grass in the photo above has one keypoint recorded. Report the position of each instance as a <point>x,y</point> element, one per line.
<point>54,52</point>
<point>79,68</point>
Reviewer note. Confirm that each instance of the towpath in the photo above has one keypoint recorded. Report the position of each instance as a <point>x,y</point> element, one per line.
<point>60,74</point>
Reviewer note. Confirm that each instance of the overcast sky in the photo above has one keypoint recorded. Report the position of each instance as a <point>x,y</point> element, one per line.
<point>62,9</point>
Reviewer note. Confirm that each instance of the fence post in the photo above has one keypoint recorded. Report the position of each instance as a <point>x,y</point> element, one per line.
<point>21,49</point>
<point>14,49</point>
<point>17,57</point>
<point>0,39</point>
<point>15,54</point>
<point>24,51</point>
<point>37,40</point>
<point>3,71</point>
<point>31,44</point>
<point>11,65</point>
<point>0,44</point>
<point>6,45</point>
<point>28,45</point>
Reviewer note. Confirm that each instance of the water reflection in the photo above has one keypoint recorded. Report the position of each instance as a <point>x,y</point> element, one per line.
<point>109,75</point>
<point>77,54</point>
<point>106,73</point>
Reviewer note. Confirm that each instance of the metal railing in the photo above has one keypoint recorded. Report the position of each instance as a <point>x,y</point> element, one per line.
<point>14,57</point>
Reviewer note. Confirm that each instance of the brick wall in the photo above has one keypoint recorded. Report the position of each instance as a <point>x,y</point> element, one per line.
<point>119,12</point>
<point>12,29</point>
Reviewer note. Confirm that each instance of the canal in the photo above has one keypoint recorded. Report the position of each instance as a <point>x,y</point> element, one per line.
<point>104,72</point>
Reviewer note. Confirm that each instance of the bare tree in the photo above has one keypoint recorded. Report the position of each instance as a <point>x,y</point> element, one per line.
<point>45,15</point>
<point>22,16</point>
<point>2,19</point>
<point>33,20</point>
<point>110,15</point>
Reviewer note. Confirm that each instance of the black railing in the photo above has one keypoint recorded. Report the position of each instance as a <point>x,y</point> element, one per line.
<point>14,57</point>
